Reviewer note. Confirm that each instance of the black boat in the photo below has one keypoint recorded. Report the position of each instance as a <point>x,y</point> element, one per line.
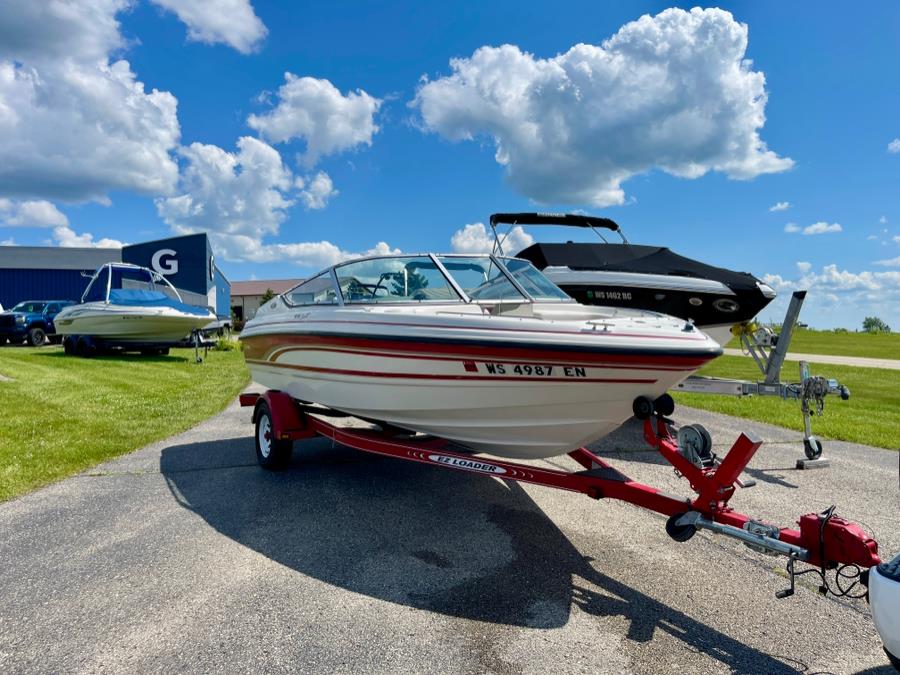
<point>642,277</point>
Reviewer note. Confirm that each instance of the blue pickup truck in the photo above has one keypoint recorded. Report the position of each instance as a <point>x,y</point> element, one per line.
<point>31,321</point>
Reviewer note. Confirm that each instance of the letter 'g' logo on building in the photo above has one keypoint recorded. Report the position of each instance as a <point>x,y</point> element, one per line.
<point>163,261</point>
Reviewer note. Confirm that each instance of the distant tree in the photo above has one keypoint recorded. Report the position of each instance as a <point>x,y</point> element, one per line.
<point>268,295</point>
<point>872,324</point>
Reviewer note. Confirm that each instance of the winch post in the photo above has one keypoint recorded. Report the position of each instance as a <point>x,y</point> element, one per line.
<point>778,354</point>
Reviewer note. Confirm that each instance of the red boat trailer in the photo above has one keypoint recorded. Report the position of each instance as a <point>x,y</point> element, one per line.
<point>823,540</point>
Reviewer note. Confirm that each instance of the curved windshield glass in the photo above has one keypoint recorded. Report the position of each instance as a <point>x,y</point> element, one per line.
<point>316,291</point>
<point>481,279</point>
<point>399,279</point>
<point>534,282</point>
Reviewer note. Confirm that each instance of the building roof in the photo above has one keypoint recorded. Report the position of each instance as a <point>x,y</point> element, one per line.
<point>57,257</point>
<point>258,287</point>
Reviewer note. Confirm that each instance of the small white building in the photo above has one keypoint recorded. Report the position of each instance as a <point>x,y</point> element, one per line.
<point>247,295</point>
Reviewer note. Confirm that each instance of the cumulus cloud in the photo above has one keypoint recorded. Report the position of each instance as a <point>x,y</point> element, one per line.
<point>780,206</point>
<point>230,22</point>
<point>67,238</point>
<point>314,111</point>
<point>804,267</point>
<point>862,294</point>
<point>883,220</point>
<point>243,192</point>
<point>894,145</point>
<point>673,92</point>
<point>475,238</point>
<point>311,254</point>
<point>75,124</point>
<point>792,227</point>
<point>316,192</point>
<point>240,198</point>
<point>892,262</point>
<point>32,213</point>
<point>822,228</point>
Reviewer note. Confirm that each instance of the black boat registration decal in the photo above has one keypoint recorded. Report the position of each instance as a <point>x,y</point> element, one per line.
<point>468,464</point>
<point>609,295</point>
<point>532,370</point>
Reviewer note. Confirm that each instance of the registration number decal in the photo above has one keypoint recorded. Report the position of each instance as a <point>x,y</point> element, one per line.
<point>534,370</point>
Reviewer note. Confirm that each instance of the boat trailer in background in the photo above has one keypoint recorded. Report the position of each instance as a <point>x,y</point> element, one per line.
<point>769,350</point>
<point>825,543</point>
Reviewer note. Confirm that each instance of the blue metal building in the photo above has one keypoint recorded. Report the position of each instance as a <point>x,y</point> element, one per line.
<point>54,273</point>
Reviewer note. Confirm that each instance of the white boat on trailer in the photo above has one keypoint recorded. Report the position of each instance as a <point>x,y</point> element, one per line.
<point>129,307</point>
<point>482,350</point>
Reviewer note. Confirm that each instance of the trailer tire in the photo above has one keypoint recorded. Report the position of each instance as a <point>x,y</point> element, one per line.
<point>85,348</point>
<point>812,447</point>
<point>271,453</point>
<point>68,343</point>
<point>679,532</point>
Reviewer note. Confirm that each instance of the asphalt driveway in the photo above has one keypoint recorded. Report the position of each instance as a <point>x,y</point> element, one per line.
<point>186,556</point>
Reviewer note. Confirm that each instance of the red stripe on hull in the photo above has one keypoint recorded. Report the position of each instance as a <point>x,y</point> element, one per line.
<point>259,346</point>
<point>425,376</point>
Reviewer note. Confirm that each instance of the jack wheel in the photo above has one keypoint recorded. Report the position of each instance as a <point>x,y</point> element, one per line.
<point>664,405</point>
<point>812,447</point>
<point>679,532</point>
<point>271,453</point>
<point>642,407</point>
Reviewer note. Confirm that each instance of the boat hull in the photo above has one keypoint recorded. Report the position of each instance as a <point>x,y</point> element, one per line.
<point>516,401</point>
<point>129,325</point>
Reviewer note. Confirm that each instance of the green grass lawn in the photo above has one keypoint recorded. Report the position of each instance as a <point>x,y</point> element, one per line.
<point>61,414</point>
<point>872,345</point>
<point>871,416</point>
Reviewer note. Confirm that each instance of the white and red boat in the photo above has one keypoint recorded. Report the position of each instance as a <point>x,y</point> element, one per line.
<point>480,350</point>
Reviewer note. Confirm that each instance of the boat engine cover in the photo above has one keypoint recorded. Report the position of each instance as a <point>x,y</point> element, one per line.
<point>884,598</point>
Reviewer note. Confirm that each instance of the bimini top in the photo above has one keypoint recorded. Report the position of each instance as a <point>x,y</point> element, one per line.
<point>631,258</point>
<point>134,286</point>
<point>427,278</point>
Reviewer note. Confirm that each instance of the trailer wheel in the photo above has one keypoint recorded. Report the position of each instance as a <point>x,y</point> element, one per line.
<point>812,447</point>
<point>679,532</point>
<point>68,343</point>
<point>85,347</point>
<point>271,453</point>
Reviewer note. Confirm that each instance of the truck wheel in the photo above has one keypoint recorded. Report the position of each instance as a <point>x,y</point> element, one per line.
<point>271,453</point>
<point>37,337</point>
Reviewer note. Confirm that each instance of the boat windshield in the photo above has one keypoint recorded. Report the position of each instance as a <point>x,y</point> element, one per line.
<point>394,280</point>
<point>534,282</point>
<point>481,278</point>
<point>127,283</point>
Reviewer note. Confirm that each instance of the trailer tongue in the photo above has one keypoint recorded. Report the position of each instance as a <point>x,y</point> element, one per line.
<point>830,546</point>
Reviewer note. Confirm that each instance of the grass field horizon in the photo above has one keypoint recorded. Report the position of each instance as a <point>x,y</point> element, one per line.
<point>62,415</point>
<point>870,345</point>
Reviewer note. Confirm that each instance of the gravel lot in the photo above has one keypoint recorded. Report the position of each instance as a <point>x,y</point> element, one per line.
<point>186,556</point>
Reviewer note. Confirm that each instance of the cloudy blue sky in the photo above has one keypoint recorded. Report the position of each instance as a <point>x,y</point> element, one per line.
<point>760,136</point>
